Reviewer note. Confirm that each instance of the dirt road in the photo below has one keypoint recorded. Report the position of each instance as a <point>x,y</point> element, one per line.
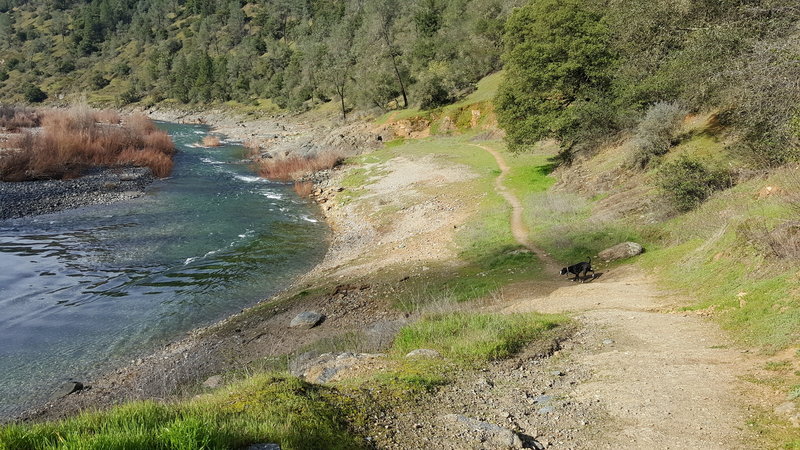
<point>665,379</point>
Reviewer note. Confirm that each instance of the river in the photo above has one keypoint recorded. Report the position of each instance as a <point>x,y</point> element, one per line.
<point>87,289</point>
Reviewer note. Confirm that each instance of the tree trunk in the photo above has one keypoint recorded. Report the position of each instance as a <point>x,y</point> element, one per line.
<point>400,80</point>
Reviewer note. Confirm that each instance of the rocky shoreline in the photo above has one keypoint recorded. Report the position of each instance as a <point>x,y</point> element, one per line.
<point>101,186</point>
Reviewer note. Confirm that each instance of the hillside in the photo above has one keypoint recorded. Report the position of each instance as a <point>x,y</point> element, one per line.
<point>516,138</point>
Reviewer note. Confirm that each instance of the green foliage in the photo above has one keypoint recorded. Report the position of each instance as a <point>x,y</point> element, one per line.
<point>369,54</point>
<point>475,337</point>
<point>264,408</point>
<point>558,64</point>
<point>689,182</point>
<point>33,94</point>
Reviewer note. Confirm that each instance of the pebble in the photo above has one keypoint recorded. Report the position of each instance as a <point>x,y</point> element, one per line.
<point>102,186</point>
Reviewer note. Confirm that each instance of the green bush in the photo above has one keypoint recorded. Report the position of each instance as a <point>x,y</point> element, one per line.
<point>33,94</point>
<point>689,182</point>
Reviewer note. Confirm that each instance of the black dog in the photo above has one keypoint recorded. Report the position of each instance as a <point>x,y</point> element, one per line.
<point>578,269</point>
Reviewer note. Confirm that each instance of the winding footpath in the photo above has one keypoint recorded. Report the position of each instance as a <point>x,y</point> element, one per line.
<point>665,379</point>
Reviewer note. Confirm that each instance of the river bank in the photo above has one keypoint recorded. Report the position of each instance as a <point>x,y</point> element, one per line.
<point>102,186</point>
<point>177,258</point>
<point>371,262</point>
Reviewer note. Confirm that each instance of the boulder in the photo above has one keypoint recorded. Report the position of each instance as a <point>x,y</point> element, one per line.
<point>621,251</point>
<point>69,387</point>
<point>332,366</point>
<point>264,447</point>
<point>494,435</point>
<point>423,353</point>
<point>308,319</point>
<point>213,381</point>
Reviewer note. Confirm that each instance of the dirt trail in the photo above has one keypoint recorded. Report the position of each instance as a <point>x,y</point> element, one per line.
<point>518,228</point>
<point>665,379</point>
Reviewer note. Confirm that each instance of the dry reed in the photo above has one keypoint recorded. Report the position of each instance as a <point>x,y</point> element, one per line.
<point>72,141</point>
<point>211,141</point>
<point>296,167</point>
<point>304,188</point>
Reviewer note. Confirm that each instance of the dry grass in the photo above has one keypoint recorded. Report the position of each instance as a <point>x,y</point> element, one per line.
<point>108,116</point>
<point>304,188</point>
<point>296,167</point>
<point>13,118</point>
<point>72,141</point>
<point>211,141</point>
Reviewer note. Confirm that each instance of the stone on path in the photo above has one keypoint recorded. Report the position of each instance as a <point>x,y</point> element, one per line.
<point>621,251</point>
<point>213,381</point>
<point>264,447</point>
<point>423,353</point>
<point>497,436</point>
<point>308,319</point>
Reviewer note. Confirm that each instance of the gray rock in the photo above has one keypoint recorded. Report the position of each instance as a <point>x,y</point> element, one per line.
<point>308,319</point>
<point>546,410</point>
<point>324,367</point>
<point>494,435</point>
<point>608,341</point>
<point>621,251</point>
<point>264,447</point>
<point>423,353</point>
<point>213,381</point>
<point>543,398</point>
<point>70,387</point>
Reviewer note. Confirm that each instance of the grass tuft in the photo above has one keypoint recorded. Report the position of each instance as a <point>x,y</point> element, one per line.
<point>475,337</point>
<point>265,408</point>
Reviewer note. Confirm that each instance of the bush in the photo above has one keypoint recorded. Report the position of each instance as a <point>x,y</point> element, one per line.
<point>655,133</point>
<point>688,182</point>
<point>33,94</point>
<point>431,89</point>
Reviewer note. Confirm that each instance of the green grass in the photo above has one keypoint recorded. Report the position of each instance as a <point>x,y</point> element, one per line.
<point>264,408</point>
<point>475,337</point>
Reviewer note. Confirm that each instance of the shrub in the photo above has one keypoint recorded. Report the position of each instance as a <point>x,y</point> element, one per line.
<point>431,88</point>
<point>33,94</point>
<point>688,182</point>
<point>13,118</point>
<point>656,131</point>
<point>295,167</point>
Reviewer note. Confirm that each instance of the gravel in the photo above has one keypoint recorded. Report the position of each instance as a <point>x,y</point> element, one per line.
<point>102,186</point>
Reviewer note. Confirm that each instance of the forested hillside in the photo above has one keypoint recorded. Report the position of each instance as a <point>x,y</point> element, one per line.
<point>579,71</point>
<point>385,53</point>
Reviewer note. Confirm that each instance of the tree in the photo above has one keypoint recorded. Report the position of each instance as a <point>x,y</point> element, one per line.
<point>386,14</point>
<point>341,56</point>
<point>558,65</point>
